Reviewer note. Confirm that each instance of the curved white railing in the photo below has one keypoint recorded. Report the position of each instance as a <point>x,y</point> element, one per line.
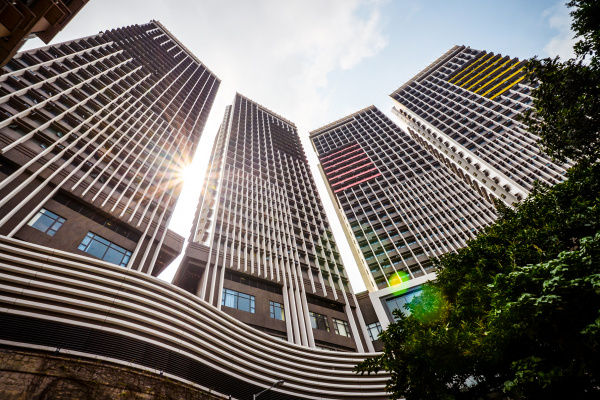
<point>65,288</point>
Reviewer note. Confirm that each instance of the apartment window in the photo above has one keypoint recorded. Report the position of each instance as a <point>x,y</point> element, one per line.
<point>319,321</point>
<point>241,301</point>
<point>341,327</point>
<point>374,330</point>
<point>277,311</point>
<point>46,221</point>
<point>104,249</point>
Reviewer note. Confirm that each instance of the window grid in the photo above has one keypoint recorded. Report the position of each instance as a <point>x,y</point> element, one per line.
<point>46,221</point>
<point>319,321</point>
<point>398,303</point>
<point>374,330</point>
<point>341,327</point>
<point>104,249</point>
<point>276,310</point>
<point>238,300</point>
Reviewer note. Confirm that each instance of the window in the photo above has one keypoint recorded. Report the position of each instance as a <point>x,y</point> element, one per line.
<point>277,311</point>
<point>241,301</point>
<point>104,249</point>
<point>341,327</point>
<point>374,330</point>
<point>46,221</point>
<point>319,321</point>
<point>397,303</point>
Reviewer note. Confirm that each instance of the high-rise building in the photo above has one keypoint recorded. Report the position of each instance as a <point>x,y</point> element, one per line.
<point>398,205</point>
<point>463,109</point>
<point>19,20</point>
<point>262,249</point>
<point>94,134</point>
<point>406,197</point>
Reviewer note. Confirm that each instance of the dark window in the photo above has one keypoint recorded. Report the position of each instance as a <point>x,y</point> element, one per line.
<point>87,212</point>
<point>104,249</point>
<point>374,330</point>
<point>319,321</point>
<point>253,282</point>
<point>325,303</point>
<point>46,221</point>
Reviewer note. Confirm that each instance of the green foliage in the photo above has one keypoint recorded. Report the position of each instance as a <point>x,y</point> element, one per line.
<point>586,25</point>
<point>549,314</point>
<point>566,112</point>
<point>513,311</point>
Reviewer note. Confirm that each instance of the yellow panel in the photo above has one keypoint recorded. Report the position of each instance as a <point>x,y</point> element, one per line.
<point>519,70</point>
<point>469,66</point>
<point>486,75</point>
<point>508,87</point>
<point>481,72</point>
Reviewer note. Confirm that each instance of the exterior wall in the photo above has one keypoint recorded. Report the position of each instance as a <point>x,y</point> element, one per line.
<point>463,109</point>
<point>260,217</point>
<point>93,310</point>
<point>98,130</point>
<point>43,18</point>
<point>401,204</point>
<point>460,115</point>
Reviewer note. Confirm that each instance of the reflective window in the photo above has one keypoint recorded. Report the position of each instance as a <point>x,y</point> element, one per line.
<point>46,221</point>
<point>276,310</point>
<point>374,330</point>
<point>341,327</point>
<point>241,301</point>
<point>398,303</point>
<point>319,321</point>
<point>104,249</point>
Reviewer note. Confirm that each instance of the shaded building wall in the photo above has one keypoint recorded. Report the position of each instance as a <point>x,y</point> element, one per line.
<point>97,130</point>
<point>43,18</point>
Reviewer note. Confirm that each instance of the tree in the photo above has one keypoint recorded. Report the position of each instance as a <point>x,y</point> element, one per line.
<point>566,111</point>
<point>504,315</point>
<point>516,313</point>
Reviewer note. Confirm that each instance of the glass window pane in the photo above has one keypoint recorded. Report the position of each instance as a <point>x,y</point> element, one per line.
<point>42,222</point>
<point>104,249</point>
<point>96,248</point>
<point>244,304</point>
<point>241,301</point>
<point>46,221</point>
<point>113,256</point>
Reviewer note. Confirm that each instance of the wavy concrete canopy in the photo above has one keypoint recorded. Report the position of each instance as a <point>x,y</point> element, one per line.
<point>89,308</point>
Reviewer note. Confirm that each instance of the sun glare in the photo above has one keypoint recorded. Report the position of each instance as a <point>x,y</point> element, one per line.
<point>187,174</point>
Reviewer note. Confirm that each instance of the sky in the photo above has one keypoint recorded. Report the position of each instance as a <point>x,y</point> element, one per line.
<point>316,61</point>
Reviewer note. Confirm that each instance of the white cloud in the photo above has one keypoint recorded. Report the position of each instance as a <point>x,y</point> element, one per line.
<point>281,53</point>
<point>562,43</point>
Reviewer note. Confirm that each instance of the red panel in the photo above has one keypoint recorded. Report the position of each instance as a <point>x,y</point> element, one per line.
<point>344,149</point>
<point>356,183</point>
<point>347,166</point>
<point>362,173</point>
<point>346,172</point>
<point>343,155</point>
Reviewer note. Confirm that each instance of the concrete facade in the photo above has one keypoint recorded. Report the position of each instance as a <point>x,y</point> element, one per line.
<point>261,230</point>
<point>410,192</point>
